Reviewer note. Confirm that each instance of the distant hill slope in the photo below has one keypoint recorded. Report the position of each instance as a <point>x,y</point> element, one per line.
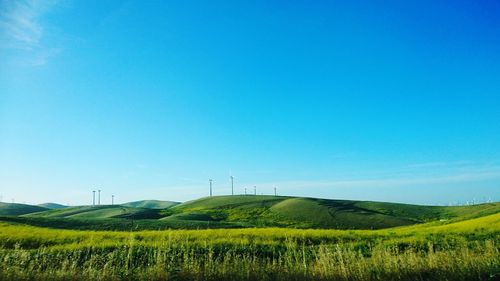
<point>249,210</point>
<point>14,209</point>
<point>151,204</point>
<point>99,212</point>
<point>52,206</point>
<point>484,224</point>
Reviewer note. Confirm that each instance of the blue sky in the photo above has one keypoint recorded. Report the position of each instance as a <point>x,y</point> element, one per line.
<point>395,101</point>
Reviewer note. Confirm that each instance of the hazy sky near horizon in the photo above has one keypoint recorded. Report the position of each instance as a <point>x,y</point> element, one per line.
<point>389,101</point>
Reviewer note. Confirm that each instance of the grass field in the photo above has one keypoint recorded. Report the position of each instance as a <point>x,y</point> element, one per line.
<point>463,250</point>
<point>250,238</point>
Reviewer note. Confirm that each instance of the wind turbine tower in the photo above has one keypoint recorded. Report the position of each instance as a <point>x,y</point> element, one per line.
<point>93,198</point>
<point>275,193</point>
<point>245,191</point>
<point>112,199</point>
<point>232,185</point>
<point>99,197</point>
<point>210,180</point>
<point>254,190</point>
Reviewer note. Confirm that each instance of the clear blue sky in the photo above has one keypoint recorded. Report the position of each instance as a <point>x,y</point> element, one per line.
<point>394,101</point>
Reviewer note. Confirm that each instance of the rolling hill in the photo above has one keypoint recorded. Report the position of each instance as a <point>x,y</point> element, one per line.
<point>52,206</point>
<point>99,212</point>
<point>151,204</point>
<point>245,211</point>
<point>14,209</point>
<point>318,213</point>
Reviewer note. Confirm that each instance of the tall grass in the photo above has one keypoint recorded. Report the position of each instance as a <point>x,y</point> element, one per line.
<point>464,251</point>
<point>292,262</point>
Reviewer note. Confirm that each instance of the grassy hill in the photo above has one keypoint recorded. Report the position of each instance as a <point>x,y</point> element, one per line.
<point>52,206</point>
<point>301,212</point>
<point>151,204</point>
<point>99,212</point>
<point>247,211</point>
<point>14,209</point>
<point>427,242</point>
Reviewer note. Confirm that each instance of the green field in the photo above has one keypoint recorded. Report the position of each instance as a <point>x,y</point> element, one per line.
<point>466,250</point>
<point>272,238</point>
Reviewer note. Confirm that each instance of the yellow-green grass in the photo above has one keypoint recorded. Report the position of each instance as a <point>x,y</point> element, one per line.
<point>293,262</point>
<point>489,223</point>
<point>14,234</point>
<point>459,250</point>
<point>453,243</point>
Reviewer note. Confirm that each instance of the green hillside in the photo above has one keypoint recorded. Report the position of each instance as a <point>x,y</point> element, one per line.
<point>300,212</point>
<point>246,211</point>
<point>52,206</point>
<point>14,209</point>
<point>99,212</point>
<point>151,204</point>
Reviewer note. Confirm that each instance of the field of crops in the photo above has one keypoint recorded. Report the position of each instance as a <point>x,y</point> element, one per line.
<point>465,250</point>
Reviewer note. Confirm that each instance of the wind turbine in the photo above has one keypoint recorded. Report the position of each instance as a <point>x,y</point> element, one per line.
<point>232,185</point>
<point>210,180</point>
<point>93,198</point>
<point>254,190</point>
<point>99,197</point>
<point>112,199</point>
<point>245,191</point>
<point>275,193</point>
